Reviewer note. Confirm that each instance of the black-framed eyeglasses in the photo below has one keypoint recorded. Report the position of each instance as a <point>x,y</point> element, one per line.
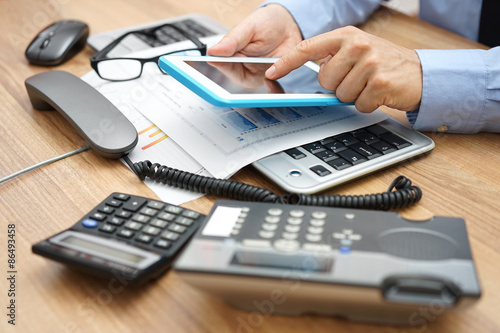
<point>124,68</point>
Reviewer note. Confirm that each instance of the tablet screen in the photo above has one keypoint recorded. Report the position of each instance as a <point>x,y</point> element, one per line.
<point>248,78</point>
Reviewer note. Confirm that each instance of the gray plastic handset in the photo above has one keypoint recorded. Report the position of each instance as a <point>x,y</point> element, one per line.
<point>102,125</point>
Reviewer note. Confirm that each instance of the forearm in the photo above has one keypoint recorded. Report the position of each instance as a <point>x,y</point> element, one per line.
<point>461,91</point>
<point>320,16</point>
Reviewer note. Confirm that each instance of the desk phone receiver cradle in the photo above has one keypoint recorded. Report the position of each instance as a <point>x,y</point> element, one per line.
<point>108,132</point>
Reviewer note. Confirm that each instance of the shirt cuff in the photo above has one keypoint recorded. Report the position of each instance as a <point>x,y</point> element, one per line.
<point>453,91</point>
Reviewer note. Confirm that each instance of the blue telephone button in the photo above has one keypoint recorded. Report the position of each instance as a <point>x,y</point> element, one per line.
<point>345,249</point>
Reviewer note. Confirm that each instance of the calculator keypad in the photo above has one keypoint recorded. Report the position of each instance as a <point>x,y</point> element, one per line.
<point>143,222</point>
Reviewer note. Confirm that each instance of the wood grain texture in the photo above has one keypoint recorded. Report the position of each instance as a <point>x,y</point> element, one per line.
<point>459,178</point>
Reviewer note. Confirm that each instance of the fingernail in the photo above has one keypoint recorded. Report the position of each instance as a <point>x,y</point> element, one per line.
<point>270,71</point>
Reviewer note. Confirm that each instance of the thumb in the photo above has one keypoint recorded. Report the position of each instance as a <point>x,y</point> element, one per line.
<point>236,39</point>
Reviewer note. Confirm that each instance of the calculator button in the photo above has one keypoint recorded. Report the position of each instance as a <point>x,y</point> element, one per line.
<point>286,245</point>
<point>184,221</point>
<point>107,228</point>
<point>135,204</point>
<point>163,244</point>
<point>159,223</point>
<point>191,214</point>
<point>121,196</point>
<point>177,228</point>
<point>115,221</point>
<point>89,223</point>
<point>167,217</point>
<point>173,209</point>
<point>149,211</point>
<point>141,218</point>
<point>235,232</point>
<point>125,233</point>
<point>156,205</point>
<point>151,230</point>
<point>106,210</point>
<point>98,216</point>
<point>146,239</point>
<point>133,225</point>
<point>170,235</point>
<point>114,203</point>
<point>124,214</point>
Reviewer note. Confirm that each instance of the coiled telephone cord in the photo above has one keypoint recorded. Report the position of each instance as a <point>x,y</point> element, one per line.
<point>401,192</point>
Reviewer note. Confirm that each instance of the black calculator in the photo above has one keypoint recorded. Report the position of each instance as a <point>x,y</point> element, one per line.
<point>127,237</point>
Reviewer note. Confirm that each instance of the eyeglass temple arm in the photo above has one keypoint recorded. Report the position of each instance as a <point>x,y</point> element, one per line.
<point>150,32</point>
<point>102,53</point>
<point>199,44</point>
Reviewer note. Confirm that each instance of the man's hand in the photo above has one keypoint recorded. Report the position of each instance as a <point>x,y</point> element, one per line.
<point>269,31</point>
<point>360,68</point>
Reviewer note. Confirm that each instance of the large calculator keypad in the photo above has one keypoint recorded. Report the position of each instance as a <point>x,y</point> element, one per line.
<point>140,221</point>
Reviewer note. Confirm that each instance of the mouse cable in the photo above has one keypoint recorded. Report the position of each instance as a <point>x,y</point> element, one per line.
<point>401,192</point>
<point>51,160</point>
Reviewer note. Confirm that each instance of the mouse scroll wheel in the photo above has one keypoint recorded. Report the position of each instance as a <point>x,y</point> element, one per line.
<point>45,43</point>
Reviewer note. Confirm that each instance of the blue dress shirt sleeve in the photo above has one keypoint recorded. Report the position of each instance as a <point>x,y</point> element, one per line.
<point>320,16</point>
<point>461,91</point>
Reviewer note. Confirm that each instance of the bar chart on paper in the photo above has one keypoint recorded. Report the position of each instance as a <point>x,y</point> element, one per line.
<point>153,133</point>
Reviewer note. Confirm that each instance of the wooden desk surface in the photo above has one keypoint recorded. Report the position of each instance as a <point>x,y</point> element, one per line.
<point>459,178</point>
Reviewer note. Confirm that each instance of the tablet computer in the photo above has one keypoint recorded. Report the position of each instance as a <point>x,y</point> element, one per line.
<point>240,82</point>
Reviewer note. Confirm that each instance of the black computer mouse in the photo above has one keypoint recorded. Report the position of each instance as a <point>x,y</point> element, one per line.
<point>57,43</point>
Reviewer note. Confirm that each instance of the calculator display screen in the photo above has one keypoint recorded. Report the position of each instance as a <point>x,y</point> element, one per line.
<point>99,248</point>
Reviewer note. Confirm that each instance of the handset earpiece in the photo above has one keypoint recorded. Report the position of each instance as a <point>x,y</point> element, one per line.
<point>102,125</point>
